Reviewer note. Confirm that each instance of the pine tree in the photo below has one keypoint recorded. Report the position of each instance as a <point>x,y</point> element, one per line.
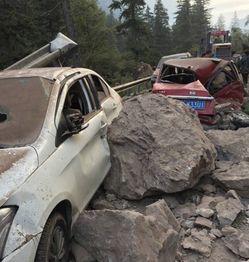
<point>132,25</point>
<point>235,21</point>
<point>221,23</point>
<point>182,33</point>
<point>162,33</point>
<point>200,25</point>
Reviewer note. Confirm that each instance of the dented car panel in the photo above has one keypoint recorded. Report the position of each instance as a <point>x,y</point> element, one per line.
<point>37,177</point>
<point>209,81</point>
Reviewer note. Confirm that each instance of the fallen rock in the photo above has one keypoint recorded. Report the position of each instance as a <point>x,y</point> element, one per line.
<point>231,145</point>
<point>198,241</point>
<point>185,211</point>
<point>205,212</point>
<point>203,222</point>
<point>157,145</point>
<point>235,176</point>
<point>127,236</point>
<point>163,214</point>
<point>238,243</point>
<point>228,210</point>
<point>216,232</point>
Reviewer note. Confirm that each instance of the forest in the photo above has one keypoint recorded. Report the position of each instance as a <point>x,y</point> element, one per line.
<point>112,46</point>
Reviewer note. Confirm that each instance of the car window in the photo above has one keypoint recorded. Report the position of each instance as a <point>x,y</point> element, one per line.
<point>230,72</point>
<point>93,90</point>
<point>222,79</point>
<point>78,98</point>
<point>100,86</point>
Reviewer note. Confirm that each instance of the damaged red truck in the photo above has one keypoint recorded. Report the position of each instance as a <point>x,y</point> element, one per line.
<point>201,83</point>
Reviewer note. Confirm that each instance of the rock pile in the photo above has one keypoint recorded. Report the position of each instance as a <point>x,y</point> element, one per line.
<point>168,197</point>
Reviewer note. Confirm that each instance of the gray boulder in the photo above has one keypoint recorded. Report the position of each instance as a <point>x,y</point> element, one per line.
<point>129,236</point>
<point>157,145</point>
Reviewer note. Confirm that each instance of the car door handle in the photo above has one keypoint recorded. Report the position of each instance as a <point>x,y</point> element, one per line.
<point>103,131</point>
<point>103,126</point>
<point>114,106</point>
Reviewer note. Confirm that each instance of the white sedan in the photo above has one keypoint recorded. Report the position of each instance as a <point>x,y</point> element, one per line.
<point>53,156</point>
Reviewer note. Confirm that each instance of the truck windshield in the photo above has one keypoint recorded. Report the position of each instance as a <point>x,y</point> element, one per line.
<point>23,107</point>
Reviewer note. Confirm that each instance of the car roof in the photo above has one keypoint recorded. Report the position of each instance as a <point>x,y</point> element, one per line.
<point>187,54</point>
<point>50,73</point>
<point>204,68</point>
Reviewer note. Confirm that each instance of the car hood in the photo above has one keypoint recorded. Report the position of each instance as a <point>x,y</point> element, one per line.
<point>173,89</point>
<point>16,165</point>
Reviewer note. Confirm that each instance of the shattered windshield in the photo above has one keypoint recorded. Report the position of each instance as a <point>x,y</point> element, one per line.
<point>23,106</point>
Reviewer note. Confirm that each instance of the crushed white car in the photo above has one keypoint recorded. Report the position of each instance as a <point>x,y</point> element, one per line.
<point>53,156</point>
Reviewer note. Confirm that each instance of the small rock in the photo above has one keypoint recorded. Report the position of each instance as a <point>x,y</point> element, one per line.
<point>163,214</point>
<point>203,222</point>
<point>185,211</point>
<point>213,237</point>
<point>226,231</point>
<point>187,224</point>
<point>233,194</point>
<point>205,212</point>
<point>216,232</point>
<point>198,241</point>
<point>228,210</point>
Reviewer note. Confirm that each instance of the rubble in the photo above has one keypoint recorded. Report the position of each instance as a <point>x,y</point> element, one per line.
<point>130,220</point>
<point>168,150</point>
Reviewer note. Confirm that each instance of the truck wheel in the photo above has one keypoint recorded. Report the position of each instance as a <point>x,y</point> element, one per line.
<point>54,245</point>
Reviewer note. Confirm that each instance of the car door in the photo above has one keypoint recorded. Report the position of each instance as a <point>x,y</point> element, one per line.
<point>226,86</point>
<point>107,102</point>
<point>86,155</point>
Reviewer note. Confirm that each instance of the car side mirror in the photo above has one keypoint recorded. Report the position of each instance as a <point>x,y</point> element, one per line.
<point>74,121</point>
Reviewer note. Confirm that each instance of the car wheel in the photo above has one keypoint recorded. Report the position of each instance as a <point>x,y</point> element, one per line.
<point>54,245</point>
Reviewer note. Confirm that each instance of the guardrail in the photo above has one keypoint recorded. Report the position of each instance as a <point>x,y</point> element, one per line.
<point>134,88</point>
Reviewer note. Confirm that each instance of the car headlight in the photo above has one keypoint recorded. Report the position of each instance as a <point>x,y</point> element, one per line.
<point>6,218</point>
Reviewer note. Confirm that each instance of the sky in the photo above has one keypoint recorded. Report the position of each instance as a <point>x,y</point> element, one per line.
<point>225,7</point>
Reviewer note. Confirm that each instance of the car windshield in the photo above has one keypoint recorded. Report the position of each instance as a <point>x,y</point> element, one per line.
<point>23,106</point>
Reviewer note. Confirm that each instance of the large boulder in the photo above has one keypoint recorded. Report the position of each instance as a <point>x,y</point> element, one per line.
<point>157,145</point>
<point>231,145</point>
<point>129,236</point>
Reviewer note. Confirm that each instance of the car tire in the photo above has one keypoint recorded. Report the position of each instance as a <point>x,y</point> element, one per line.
<point>54,245</point>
